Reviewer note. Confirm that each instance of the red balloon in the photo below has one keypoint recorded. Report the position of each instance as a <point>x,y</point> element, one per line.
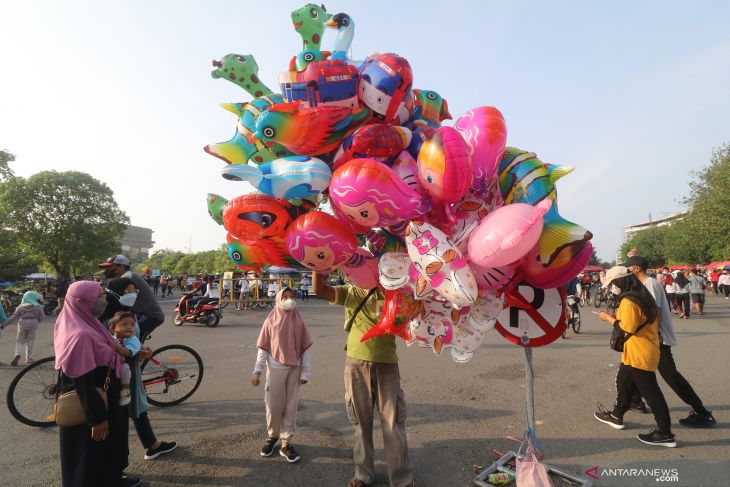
<point>400,308</point>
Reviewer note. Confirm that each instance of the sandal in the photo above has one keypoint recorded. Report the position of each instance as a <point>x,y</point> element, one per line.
<point>356,482</point>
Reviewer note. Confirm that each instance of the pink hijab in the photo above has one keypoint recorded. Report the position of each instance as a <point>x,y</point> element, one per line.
<point>284,334</point>
<point>80,340</point>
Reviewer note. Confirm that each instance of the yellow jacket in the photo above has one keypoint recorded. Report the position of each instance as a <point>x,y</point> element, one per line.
<point>641,351</point>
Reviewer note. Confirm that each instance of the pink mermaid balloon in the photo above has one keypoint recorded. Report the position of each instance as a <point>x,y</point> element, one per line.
<point>366,194</point>
<point>320,242</point>
<point>485,133</point>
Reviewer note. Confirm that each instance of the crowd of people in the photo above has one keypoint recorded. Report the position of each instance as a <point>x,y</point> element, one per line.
<point>101,329</point>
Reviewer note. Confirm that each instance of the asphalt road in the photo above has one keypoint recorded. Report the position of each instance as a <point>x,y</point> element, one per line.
<point>457,412</point>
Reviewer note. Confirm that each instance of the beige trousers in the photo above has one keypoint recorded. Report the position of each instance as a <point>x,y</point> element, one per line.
<point>369,385</point>
<point>281,395</point>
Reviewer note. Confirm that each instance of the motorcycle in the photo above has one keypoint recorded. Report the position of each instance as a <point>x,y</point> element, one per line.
<point>208,314</point>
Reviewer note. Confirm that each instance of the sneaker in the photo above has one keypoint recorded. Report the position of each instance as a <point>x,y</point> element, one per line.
<point>605,417</point>
<point>165,447</point>
<point>15,360</point>
<point>29,361</point>
<point>291,455</point>
<point>130,481</point>
<point>125,397</point>
<point>639,408</point>
<point>269,446</point>
<point>654,437</point>
<point>698,420</point>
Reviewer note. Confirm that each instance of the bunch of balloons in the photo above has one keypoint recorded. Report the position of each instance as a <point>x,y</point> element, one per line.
<point>452,219</point>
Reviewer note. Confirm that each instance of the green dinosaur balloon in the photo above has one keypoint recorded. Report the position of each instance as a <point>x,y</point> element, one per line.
<point>309,23</point>
<point>215,207</point>
<point>242,70</point>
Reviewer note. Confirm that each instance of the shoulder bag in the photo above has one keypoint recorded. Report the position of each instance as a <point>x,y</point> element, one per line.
<point>620,337</point>
<point>68,410</point>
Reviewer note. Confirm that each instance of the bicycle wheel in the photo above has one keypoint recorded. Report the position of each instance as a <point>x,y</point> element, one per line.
<point>32,393</point>
<point>575,320</point>
<point>582,299</point>
<point>172,374</point>
<point>597,299</point>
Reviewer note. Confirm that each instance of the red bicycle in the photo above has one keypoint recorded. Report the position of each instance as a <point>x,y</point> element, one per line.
<point>170,376</point>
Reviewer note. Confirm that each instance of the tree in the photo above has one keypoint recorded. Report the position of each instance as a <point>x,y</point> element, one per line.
<point>15,262</point>
<point>5,172</point>
<point>650,243</point>
<point>709,202</point>
<point>67,219</point>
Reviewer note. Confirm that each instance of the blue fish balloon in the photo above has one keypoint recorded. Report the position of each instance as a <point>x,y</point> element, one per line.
<point>291,177</point>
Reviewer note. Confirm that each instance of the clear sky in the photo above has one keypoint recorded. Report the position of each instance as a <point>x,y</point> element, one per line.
<point>634,94</point>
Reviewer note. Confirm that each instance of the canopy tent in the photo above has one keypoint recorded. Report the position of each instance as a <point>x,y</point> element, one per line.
<point>593,268</point>
<point>717,265</point>
<point>39,276</point>
<point>281,270</point>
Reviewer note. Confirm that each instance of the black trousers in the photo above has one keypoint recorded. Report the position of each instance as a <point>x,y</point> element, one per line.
<point>144,430</point>
<point>675,380</point>
<point>683,303</point>
<point>630,379</point>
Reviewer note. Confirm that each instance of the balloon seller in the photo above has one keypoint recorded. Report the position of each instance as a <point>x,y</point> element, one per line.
<point>371,377</point>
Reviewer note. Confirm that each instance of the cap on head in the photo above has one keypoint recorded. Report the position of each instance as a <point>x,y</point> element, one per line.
<point>614,273</point>
<point>116,259</point>
<point>637,261</point>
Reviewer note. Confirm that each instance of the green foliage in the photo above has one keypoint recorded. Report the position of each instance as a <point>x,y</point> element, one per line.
<point>650,244</point>
<point>595,260</point>
<point>704,234</point>
<point>15,261</point>
<point>709,200</point>
<point>5,171</point>
<point>67,219</point>
<point>179,263</point>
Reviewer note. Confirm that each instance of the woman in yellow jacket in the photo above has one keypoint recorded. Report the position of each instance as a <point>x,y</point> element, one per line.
<point>637,318</point>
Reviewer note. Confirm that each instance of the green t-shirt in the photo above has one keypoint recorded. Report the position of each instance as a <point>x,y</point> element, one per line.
<point>379,349</point>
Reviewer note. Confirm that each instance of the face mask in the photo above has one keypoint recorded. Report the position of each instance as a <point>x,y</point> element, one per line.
<point>99,308</point>
<point>128,299</point>
<point>289,304</point>
<point>615,289</point>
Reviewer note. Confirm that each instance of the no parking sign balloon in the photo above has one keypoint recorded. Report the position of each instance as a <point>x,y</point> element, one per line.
<point>532,317</point>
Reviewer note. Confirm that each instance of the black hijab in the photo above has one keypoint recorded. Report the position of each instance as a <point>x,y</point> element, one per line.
<point>117,285</point>
<point>633,290</point>
<point>680,279</point>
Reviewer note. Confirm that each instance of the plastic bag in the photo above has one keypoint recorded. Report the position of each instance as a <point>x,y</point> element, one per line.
<point>530,472</point>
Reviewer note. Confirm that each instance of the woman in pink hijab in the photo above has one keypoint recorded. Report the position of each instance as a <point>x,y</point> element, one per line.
<point>95,453</point>
<point>283,346</point>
